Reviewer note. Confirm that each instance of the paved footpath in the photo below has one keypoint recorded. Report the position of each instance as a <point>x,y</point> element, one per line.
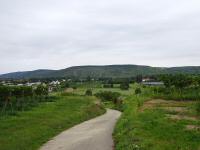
<point>95,134</point>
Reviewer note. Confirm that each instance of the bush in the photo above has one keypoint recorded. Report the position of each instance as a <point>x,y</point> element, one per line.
<point>138,91</point>
<point>108,85</point>
<point>5,91</point>
<point>124,86</point>
<point>40,90</point>
<point>88,92</point>
<point>108,96</point>
<point>74,87</point>
<point>144,86</point>
<point>64,84</point>
<point>198,107</point>
<point>67,94</point>
<point>28,91</point>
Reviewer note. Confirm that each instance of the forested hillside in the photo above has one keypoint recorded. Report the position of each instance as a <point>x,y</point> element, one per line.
<point>114,71</point>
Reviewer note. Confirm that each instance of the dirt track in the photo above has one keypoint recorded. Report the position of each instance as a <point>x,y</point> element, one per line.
<point>95,134</point>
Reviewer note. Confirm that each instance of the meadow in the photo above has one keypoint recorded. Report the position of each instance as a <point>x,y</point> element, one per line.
<point>149,123</point>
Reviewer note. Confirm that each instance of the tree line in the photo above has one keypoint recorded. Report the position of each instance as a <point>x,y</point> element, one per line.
<point>180,81</point>
<point>178,87</point>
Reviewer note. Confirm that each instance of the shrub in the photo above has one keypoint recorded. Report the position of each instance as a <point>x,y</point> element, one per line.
<point>144,86</point>
<point>124,86</point>
<point>198,107</point>
<point>28,91</point>
<point>17,92</point>
<point>64,84</point>
<point>5,92</point>
<point>40,90</point>
<point>108,85</point>
<point>74,87</point>
<point>67,94</point>
<point>138,91</point>
<point>88,92</point>
<point>108,96</point>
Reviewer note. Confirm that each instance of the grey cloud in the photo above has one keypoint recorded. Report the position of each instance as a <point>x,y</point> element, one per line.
<point>56,34</point>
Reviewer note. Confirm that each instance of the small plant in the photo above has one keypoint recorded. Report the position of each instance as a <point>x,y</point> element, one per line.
<point>88,92</point>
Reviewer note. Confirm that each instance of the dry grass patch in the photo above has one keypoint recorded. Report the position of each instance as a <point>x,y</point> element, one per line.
<point>165,104</point>
<point>193,127</point>
<point>169,105</point>
<point>181,117</point>
<point>179,108</point>
<point>152,104</point>
<point>176,109</point>
<point>69,90</point>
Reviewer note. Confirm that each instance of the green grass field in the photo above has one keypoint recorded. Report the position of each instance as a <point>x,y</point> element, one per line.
<point>81,90</point>
<point>150,129</point>
<point>30,129</point>
<point>142,126</point>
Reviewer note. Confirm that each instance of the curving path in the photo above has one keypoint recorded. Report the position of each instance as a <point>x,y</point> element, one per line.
<point>95,134</point>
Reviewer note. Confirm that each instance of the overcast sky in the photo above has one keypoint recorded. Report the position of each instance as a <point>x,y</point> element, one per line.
<point>55,34</point>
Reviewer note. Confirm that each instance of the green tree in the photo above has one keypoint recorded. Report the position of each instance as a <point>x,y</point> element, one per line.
<point>138,78</point>
<point>181,81</point>
<point>167,79</point>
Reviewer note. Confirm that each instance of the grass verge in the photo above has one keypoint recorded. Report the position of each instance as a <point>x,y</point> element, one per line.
<point>30,129</point>
<point>152,130</point>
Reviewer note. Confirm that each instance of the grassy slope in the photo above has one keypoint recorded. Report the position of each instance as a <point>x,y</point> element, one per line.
<point>151,130</point>
<point>29,130</point>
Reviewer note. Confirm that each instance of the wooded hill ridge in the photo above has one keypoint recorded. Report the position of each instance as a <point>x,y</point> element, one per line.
<point>108,71</point>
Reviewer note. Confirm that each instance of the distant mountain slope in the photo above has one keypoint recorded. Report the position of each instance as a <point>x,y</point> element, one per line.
<point>188,70</point>
<point>101,71</point>
<point>27,74</point>
<point>108,71</point>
